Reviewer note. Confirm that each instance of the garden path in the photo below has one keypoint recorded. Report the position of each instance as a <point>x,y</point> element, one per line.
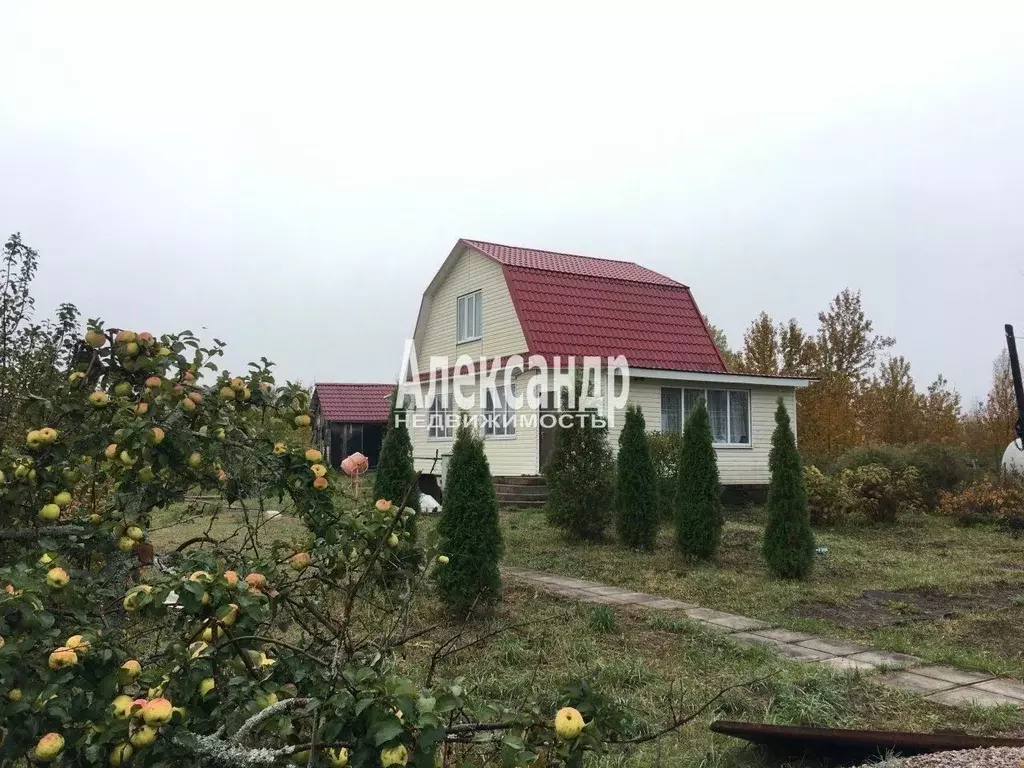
<point>938,683</point>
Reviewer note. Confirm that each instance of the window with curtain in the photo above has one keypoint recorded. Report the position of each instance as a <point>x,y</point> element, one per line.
<point>500,415</point>
<point>728,412</point>
<point>438,419</point>
<point>671,410</point>
<point>470,314</point>
<point>739,416</point>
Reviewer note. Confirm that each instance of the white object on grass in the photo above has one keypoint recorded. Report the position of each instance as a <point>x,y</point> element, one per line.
<point>428,504</point>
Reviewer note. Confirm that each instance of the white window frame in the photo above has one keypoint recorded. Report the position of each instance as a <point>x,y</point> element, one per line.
<point>728,412</point>
<point>500,418</point>
<point>469,317</point>
<point>439,426</point>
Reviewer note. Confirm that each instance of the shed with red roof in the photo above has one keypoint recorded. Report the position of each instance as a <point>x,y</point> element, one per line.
<point>349,418</point>
<point>496,303</point>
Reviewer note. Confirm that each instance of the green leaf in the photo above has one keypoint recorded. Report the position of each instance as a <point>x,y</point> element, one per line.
<point>387,730</point>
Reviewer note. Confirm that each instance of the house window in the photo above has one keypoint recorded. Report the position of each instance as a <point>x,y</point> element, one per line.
<point>500,415</point>
<point>470,322</point>
<point>728,412</point>
<point>439,423</point>
<point>671,410</point>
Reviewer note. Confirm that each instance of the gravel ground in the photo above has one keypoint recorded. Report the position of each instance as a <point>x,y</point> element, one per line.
<point>996,757</point>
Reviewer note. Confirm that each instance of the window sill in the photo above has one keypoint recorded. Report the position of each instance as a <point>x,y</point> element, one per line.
<point>499,437</point>
<point>468,341</point>
<point>439,439</point>
<point>733,446</point>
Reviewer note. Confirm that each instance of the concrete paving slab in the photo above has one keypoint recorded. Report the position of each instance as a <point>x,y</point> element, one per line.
<point>706,614</point>
<point>798,653</point>
<point>639,598</point>
<point>968,695</point>
<point>834,647</point>
<point>666,604</point>
<point>784,635</point>
<point>1003,687</point>
<point>741,623</point>
<point>846,664</point>
<point>952,674</point>
<point>607,590</point>
<point>717,628</point>
<point>908,681</point>
<point>886,657</point>
<point>747,638</point>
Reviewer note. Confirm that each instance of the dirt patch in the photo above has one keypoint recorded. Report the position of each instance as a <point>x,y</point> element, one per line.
<point>882,608</point>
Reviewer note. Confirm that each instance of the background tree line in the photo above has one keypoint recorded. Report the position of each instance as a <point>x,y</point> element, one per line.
<point>863,395</point>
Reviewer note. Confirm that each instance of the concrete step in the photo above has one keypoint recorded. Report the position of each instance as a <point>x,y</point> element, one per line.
<point>509,503</point>
<point>520,480</point>
<point>526,491</point>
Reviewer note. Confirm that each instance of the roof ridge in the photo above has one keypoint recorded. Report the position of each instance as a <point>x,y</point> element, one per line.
<point>557,253</point>
<point>673,284</point>
<point>558,262</point>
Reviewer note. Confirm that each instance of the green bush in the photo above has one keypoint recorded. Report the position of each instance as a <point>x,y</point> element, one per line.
<point>580,477</point>
<point>879,494</point>
<point>665,448</point>
<point>828,500</point>
<point>788,546</point>
<point>698,501</point>
<point>940,468</point>
<point>636,494</point>
<point>468,529</point>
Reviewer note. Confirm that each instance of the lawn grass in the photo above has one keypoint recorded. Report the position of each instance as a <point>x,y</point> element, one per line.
<point>927,552</point>
<point>641,660</point>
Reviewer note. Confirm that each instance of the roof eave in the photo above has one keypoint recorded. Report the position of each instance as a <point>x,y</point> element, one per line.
<point>723,378</point>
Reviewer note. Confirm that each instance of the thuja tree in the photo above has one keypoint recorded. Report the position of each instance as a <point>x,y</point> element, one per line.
<point>396,474</point>
<point>580,474</point>
<point>240,645</point>
<point>469,531</point>
<point>636,488</point>
<point>788,546</point>
<point>698,495</point>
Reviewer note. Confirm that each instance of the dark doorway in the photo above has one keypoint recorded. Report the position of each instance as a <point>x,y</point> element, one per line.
<point>348,438</point>
<point>546,428</point>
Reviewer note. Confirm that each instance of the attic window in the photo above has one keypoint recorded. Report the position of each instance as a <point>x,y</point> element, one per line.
<point>470,317</point>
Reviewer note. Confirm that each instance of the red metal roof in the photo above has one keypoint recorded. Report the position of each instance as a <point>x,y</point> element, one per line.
<point>584,266</point>
<point>354,402</point>
<point>577,305</point>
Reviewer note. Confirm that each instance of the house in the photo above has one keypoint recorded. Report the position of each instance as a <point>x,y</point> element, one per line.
<point>495,301</point>
<point>349,418</point>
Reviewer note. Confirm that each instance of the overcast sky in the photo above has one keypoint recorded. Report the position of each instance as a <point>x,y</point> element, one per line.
<point>291,182</point>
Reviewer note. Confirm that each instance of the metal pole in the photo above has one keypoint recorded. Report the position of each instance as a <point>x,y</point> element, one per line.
<point>1018,386</point>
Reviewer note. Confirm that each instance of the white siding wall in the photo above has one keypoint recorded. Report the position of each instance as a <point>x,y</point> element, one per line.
<point>740,465</point>
<point>502,335</point>
<point>507,456</point>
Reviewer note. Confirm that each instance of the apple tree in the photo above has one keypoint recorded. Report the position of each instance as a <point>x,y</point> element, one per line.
<point>233,650</point>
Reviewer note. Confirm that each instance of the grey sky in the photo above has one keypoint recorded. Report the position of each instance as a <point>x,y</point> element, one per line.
<point>291,182</point>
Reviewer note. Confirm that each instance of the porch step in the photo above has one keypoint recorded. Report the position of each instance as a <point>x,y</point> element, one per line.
<point>525,491</point>
<point>527,480</point>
